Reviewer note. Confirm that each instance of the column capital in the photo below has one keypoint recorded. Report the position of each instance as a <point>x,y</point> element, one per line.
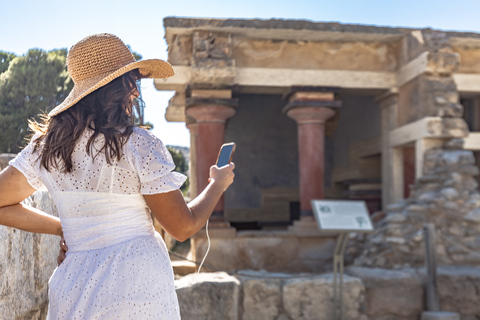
<point>311,106</point>
<point>309,114</point>
<point>324,92</point>
<point>211,110</point>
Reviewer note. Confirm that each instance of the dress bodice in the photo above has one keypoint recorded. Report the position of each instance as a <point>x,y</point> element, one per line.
<point>101,203</point>
<point>92,220</point>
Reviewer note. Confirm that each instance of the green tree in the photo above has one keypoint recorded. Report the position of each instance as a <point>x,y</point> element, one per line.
<point>137,56</point>
<point>181,166</point>
<point>33,83</point>
<point>5,58</point>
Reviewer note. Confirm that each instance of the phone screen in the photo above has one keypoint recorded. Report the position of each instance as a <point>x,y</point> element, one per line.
<point>224,157</point>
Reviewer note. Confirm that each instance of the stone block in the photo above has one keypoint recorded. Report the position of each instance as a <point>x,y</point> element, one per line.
<point>390,294</point>
<point>312,298</point>
<point>182,268</point>
<point>207,296</point>
<point>440,315</point>
<point>473,216</point>
<point>459,290</point>
<point>451,110</point>
<point>262,299</point>
<point>456,143</point>
<point>442,98</point>
<point>213,71</point>
<point>180,50</point>
<point>442,63</point>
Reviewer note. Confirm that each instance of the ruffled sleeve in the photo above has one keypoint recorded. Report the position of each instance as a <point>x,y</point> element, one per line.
<point>26,162</point>
<point>153,163</point>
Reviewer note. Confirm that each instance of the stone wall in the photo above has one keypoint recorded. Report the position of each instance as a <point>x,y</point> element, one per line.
<point>368,294</point>
<point>27,261</point>
<point>260,295</point>
<point>446,193</point>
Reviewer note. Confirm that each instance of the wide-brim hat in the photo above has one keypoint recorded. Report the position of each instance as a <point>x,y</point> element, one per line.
<point>99,59</point>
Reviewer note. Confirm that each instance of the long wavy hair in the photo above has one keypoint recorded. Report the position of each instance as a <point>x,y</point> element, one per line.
<point>107,111</point>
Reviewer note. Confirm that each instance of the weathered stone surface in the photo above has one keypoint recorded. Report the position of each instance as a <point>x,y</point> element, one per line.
<point>27,261</point>
<point>451,110</point>
<point>442,63</point>
<point>456,143</point>
<point>390,294</point>
<point>253,251</point>
<point>208,296</point>
<point>262,299</point>
<point>440,315</point>
<point>473,215</point>
<point>312,298</point>
<point>212,61</point>
<point>180,51</point>
<point>446,196</point>
<point>459,290</point>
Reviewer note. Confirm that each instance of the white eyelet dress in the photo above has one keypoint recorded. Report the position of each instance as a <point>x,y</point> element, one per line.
<point>117,266</point>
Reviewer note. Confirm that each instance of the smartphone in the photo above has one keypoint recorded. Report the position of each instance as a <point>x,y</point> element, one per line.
<point>225,155</point>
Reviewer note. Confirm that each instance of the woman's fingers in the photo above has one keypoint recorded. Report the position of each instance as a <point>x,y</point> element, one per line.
<point>61,256</point>
<point>63,245</point>
<point>62,252</point>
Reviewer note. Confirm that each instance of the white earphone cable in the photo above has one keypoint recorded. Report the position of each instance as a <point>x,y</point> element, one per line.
<point>208,248</point>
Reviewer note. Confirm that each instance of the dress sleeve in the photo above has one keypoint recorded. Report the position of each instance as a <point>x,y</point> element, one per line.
<point>153,164</point>
<point>26,162</point>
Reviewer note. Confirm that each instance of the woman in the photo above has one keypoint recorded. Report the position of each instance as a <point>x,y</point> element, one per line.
<point>105,177</point>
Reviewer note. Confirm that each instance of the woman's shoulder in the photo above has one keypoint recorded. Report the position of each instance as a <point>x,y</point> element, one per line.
<point>142,138</point>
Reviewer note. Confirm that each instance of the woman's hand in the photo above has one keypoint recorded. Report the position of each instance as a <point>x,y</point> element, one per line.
<point>63,251</point>
<point>222,176</point>
<point>182,220</point>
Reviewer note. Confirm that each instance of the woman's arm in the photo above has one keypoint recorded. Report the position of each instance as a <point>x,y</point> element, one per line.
<point>182,221</point>
<point>14,188</point>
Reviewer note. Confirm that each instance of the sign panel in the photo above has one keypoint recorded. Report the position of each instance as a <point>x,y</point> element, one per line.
<point>347,215</point>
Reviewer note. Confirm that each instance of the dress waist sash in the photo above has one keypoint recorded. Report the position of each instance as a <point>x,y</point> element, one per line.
<point>97,220</point>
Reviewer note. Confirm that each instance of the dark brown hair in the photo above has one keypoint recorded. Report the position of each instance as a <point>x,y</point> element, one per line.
<point>107,111</point>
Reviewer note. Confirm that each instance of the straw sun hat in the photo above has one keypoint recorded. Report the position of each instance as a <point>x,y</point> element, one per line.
<point>99,59</point>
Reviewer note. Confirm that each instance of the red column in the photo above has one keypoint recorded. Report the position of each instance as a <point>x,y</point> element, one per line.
<point>210,126</point>
<point>193,127</point>
<point>311,150</point>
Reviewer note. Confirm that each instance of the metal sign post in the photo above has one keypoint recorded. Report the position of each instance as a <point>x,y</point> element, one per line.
<point>342,217</point>
<point>338,274</point>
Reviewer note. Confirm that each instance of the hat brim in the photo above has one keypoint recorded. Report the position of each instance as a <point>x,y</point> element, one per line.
<point>151,68</point>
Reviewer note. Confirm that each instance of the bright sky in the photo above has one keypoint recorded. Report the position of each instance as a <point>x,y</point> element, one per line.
<point>51,24</point>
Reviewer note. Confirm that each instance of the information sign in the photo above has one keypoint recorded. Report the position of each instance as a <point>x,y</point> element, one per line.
<point>342,215</point>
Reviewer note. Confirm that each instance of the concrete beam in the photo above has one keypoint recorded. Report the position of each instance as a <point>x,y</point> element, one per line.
<point>467,83</point>
<point>412,69</point>
<point>428,127</point>
<point>178,82</point>
<point>175,114</point>
<point>472,141</point>
<point>267,77</point>
<point>421,146</point>
<point>327,78</point>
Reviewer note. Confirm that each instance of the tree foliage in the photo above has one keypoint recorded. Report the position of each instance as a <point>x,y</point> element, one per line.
<point>181,165</point>
<point>5,59</point>
<point>32,84</point>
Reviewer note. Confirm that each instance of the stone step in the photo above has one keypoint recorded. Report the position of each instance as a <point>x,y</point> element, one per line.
<point>440,315</point>
<point>182,268</point>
